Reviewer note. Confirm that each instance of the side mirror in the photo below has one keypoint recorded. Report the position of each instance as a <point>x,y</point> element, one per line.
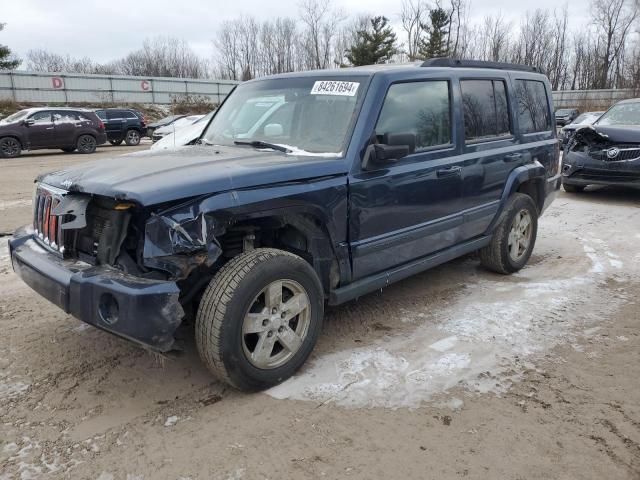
<point>393,147</point>
<point>29,121</point>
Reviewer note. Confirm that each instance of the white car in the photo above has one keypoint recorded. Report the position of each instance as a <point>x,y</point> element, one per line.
<point>183,122</point>
<point>184,135</point>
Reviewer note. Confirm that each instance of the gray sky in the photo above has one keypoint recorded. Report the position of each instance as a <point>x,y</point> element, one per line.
<point>108,29</point>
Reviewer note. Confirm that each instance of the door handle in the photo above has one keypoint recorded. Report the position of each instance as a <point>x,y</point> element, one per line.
<point>449,172</point>
<point>513,157</point>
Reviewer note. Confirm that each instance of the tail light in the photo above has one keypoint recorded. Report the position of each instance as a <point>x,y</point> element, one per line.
<point>101,125</point>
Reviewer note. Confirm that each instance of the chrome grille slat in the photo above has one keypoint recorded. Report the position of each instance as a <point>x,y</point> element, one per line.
<point>48,227</point>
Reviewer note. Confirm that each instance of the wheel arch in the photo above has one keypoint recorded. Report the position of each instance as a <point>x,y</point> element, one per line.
<point>528,179</point>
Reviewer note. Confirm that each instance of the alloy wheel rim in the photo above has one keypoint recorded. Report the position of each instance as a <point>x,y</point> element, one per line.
<point>9,147</point>
<point>133,136</point>
<point>276,324</point>
<point>520,235</point>
<point>86,143</point>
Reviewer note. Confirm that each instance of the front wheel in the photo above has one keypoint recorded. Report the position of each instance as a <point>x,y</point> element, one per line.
<point>132,138</point>
<point>86,144</point>
<point>10,147</point>
<point>259,318</point>
<point>514,236</point>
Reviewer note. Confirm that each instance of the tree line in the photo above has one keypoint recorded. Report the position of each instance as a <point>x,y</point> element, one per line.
<point>602,53</point>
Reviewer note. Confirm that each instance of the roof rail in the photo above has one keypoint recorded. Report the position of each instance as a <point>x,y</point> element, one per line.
<point>453,62</point>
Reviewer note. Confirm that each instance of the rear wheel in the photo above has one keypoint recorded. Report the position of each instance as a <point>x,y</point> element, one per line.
<point>10,147</point>
<point>259,318</point>
<point>514,236</point>
<point>572,188</point>
<point>86,144</point>
<point>132,138</point>
<point>115,142</point>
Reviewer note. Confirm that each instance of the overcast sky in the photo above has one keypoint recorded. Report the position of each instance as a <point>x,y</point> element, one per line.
<point>108,29</point>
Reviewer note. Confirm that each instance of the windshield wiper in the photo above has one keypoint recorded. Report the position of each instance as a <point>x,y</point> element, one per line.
<point>261,144</point>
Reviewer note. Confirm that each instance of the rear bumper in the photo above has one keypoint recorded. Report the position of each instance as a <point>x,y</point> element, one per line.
<point>552,188</point>
<point>144,311</point>
<point>101,138</point>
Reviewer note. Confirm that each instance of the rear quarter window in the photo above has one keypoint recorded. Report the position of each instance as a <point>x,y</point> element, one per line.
<point>532,106</point>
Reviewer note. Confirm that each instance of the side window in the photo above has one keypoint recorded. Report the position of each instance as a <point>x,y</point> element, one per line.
<point>130,115</point>
<point>533,107</point>
<point>113,114</point>
<point>41,118</point>
<point>422,108</point>
<point>65,117</point>
<point>486,111</point>
<point>102,115</point>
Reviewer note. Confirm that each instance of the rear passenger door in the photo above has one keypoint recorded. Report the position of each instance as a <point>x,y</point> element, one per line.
<point>409,209</point>
<point>490,146</point>
<point>115,125</point>
<point>66,123</point>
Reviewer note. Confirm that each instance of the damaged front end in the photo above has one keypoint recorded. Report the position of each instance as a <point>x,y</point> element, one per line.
<point>603,157</point>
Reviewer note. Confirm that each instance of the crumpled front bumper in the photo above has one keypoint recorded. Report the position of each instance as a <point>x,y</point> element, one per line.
<point>581,170</point>
<point>144,311</point>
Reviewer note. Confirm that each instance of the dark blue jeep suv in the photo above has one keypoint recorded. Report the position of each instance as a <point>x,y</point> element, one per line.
<point>304,189</point>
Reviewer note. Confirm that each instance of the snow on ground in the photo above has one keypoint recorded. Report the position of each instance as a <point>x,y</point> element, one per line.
<point>480,341</point>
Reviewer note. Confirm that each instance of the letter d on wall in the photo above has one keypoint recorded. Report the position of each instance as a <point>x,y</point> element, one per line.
<point>57,82</point>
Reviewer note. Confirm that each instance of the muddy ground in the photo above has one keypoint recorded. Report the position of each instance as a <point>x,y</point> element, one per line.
<point>454,373</point>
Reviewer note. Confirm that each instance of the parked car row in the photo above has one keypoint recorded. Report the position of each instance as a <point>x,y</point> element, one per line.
<point>79,129</point>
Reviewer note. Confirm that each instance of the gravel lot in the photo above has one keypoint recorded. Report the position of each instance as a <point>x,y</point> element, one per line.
<point>454,373</point>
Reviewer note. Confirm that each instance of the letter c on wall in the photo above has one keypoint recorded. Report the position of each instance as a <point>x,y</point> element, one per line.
<point>57,82</point>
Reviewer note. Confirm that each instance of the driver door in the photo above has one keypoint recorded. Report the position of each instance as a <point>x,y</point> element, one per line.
<point>408,209</point>
<point>40,133</point>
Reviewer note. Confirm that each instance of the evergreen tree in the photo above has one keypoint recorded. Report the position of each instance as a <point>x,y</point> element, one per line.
<point>374,44</point>
<point>435,44</point>
<point>7,60</point>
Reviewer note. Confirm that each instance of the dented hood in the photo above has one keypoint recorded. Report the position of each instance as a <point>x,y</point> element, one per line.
<point>609,133</point>
<point>154,177</point>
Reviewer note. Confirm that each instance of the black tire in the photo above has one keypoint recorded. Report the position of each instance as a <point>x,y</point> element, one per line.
<point>115,143</point>
<point>86,144</point>
<point>68,149</point>
<point>228,298</point>
<point>132,138</point>
<point>572,188</point>
<point>498,256</point>
<point>10,147</point>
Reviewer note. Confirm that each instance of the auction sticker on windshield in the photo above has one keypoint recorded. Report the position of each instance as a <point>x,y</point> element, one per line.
<point>334,87</point>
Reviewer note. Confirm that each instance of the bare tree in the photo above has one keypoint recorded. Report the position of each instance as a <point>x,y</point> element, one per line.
<point>413,16</point>
<point>321,25</point>
<point>612,20</point>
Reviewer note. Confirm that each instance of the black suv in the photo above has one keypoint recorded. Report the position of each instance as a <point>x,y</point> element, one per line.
<point>123,124</point>
<point>304,189</point>
<point>36,128</point>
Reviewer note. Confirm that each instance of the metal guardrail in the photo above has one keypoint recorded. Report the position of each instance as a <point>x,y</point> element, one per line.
<point>38,87</point>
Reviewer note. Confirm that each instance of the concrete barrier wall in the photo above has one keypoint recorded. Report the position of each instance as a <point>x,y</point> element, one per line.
<point>590,99</point>
<point>34,87</point>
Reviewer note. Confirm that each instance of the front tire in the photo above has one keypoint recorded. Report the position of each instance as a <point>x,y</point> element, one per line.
<point>86,144</point>
<point>514,236</point>
<point>10,147</point>
<point>132,138</point>
<point>259,318</point>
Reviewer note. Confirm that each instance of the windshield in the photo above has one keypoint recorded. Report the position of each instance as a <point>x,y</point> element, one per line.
<point>307,115</point>
<point>16,116</point>
<point>621,114</point>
